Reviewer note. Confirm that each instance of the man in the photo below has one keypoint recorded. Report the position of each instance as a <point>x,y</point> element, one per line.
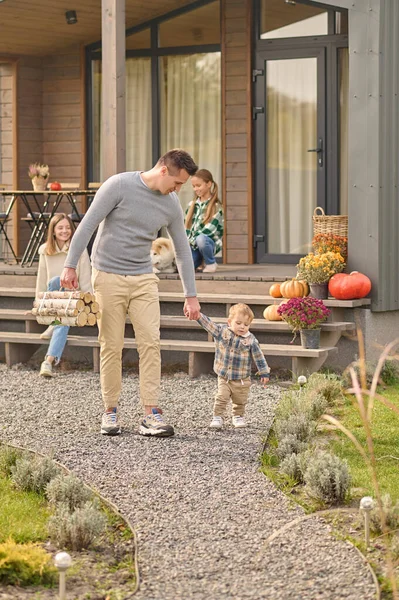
<point>131,208</point>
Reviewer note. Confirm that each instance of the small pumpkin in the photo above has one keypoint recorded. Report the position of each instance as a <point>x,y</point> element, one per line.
<point>349,287</point>
<point>275,290</point>
<point>270,313</point>
<point>294,289</point>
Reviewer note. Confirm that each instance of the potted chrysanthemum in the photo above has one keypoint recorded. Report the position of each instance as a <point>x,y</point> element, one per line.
<point>39,175</point>
<point>305,315</point>
<point>316,270</point>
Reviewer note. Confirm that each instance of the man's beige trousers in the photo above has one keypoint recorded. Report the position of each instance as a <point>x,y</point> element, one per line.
<point>136,296</point>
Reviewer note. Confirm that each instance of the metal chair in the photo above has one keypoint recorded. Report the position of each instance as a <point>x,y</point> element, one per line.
<point>6,206</point>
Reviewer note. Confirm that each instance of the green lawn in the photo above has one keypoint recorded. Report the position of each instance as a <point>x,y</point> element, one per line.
<point>23,515</point>
<point>385,431</point>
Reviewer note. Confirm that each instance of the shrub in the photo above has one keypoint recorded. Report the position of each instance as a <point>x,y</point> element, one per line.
<point>329,386</point>
<point>391,512</point>
<point>67,489</point>
<point>294,465</point>
<point>328,477</point>
<point>298,425</point>
<point>33,474</point>
<point>390,372</point>
<point>25,564</point>
<point>8,458</point>
<point>309,402</point>
<point>76,530</point>
<point>290,444</point>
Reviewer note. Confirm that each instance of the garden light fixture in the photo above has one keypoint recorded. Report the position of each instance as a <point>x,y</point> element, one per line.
<point>366,506</point>
<point>62,561</point>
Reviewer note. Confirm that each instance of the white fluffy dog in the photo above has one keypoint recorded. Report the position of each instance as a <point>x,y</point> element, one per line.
<point>163,256</point>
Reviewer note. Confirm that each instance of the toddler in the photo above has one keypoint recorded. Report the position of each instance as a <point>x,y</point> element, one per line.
<point>235,348</point>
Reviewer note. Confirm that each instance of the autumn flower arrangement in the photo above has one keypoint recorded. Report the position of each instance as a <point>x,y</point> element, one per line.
<point>38,170</point>
<point>329,242</point>
<point>318,268</point>
<point>304,313</point>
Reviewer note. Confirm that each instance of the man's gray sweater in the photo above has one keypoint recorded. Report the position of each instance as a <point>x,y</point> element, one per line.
<point>129,216</point>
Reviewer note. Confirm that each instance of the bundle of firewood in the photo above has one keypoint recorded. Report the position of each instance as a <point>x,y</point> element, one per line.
<point>74,308</point>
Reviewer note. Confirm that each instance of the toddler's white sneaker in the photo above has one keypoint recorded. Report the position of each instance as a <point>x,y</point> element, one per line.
<point>216,423</point>
<point>239,422</point>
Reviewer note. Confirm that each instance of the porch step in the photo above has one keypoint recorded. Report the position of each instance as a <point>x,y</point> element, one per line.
<point>18,348</point>
<point>330,334</point>
<point>208,298</point>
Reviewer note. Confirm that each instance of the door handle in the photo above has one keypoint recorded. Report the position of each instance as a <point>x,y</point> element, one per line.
<point>320,151</point>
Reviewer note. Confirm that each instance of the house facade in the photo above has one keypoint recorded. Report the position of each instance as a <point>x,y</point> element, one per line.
<point>291,104</point>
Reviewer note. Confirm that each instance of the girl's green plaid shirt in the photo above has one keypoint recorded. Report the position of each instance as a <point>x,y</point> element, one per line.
<point>213,229</point>
<point>234,353</point>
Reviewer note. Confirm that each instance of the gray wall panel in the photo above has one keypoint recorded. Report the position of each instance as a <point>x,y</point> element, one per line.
<point>374,145</point>
<point>388,297</point>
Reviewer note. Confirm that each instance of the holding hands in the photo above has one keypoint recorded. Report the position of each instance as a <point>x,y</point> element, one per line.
<point>192,308</point>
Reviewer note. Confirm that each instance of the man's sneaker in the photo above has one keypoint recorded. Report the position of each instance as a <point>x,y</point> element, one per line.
<point>239,422</point>
<point>46,369</point>
<point>216,423</point>
<point>109,423</point>
<point>155,426</point>
<point>47,333</point>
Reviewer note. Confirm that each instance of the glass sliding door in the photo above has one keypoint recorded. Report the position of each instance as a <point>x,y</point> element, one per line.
<point>291,171</point>
<point>290,151</point>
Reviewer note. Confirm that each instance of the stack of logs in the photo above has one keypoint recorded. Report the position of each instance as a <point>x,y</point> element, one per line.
<point>75,308</point>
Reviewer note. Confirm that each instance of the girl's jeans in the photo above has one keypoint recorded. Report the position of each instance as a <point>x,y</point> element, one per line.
<point>205,251</point>
<point>60,334</point>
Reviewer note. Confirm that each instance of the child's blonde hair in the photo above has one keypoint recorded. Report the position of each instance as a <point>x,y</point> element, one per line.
<point>50,248</point>
<point>214,201</point>
<point>243,309</point>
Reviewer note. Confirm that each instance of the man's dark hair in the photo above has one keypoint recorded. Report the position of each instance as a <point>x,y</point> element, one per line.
<point>176,160</point>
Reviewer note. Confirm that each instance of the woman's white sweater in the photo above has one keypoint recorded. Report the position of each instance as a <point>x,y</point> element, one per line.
<point>52,265</point>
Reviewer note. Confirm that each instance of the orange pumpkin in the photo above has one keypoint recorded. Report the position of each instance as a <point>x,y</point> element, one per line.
<point>275,290</point>
<point>270,313</point>
<point>294,289</point>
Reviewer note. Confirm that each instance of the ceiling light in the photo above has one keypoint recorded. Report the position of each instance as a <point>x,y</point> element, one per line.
<point>71,17</point>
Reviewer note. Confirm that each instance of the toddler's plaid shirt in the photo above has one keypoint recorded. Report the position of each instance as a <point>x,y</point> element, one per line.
<point>233,353</point>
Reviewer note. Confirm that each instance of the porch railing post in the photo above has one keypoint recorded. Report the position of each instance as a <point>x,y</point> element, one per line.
<point>113,119</point>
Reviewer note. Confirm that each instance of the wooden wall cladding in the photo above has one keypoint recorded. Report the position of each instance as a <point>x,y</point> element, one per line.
<point>237,154</point>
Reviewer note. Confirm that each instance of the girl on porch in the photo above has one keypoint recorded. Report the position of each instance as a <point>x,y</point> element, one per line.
<point>204,221</point>
<point>52,257</point>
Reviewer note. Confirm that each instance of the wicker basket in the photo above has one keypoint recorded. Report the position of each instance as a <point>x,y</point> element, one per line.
<point>336,224</point>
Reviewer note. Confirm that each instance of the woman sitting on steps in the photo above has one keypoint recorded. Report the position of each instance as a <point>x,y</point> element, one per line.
<point>52,257</point>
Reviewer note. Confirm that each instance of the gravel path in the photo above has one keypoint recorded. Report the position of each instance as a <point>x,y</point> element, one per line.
<point>200,506</point>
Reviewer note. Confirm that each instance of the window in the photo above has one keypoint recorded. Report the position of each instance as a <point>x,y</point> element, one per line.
<point>191,111</point>
<point>291,19</point>
<point>199,26</point>
<point>138,116</point>
<point>173,99</point>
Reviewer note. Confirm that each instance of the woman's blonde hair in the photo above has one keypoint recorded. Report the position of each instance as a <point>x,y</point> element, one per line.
<point>51,248</point>
<point>214,201</point>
